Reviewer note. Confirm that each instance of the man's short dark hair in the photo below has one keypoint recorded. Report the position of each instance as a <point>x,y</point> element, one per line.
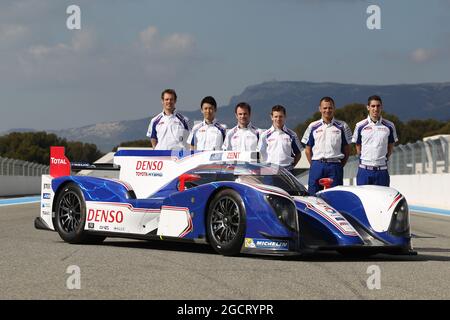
<point>327,99</point>
<point>210,100</point>
<point>243,105</point>
<point>278,108</point>
<point>169,91</point>
<point>374,97</point>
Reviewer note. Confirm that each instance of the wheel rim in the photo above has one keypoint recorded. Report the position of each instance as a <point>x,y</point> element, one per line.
<point>225,220</point>
<point>69,212</point>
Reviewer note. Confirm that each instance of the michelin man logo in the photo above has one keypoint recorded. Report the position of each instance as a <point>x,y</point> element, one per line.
<point>249,243</point>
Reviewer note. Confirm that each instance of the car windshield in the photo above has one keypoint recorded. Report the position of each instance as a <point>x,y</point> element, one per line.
<point>253,174</point>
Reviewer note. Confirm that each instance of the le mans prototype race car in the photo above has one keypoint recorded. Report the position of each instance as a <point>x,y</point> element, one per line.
<point>227,199</point>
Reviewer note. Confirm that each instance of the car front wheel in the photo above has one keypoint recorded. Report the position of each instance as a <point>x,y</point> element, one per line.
<point>226,220</point>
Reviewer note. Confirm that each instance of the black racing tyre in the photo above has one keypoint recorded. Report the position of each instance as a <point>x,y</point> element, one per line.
<point>226,222</point>
<point>70,216</point>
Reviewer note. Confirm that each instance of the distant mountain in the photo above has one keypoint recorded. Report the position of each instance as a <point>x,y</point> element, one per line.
<point>106,135</point>
<point>18,130</point>
<point>301,99</point>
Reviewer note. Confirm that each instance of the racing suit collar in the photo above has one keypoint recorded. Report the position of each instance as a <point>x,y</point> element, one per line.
<point>212,123</point>
<point>377,122</point>
<point>327,124</point>
<point>249,126</point>
<point>276,129</point>
<point>170,115</point>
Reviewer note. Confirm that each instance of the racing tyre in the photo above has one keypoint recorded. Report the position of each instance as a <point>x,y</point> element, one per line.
<point>225,222</point>
<point>70,216</point>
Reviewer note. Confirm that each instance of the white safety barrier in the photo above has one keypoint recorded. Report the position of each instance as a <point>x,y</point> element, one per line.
<point>429,190</point>
<point>19,185</point>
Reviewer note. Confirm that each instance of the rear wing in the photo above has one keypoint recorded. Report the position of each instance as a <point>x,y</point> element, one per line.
<point>60,165</point>
<point>77,166</point>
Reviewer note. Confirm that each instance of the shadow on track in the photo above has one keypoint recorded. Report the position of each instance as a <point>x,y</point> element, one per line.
<point>160,245</point>
<point>433,249</point>
<point>328,256</point>
<point>336,257</point>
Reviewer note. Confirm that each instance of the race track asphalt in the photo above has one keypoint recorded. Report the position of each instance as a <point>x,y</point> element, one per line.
<point>34,265</point>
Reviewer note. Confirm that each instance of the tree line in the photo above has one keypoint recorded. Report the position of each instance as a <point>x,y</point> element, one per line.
<point>35,147</point>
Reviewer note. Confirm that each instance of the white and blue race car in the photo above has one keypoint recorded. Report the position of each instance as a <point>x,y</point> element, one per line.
<point>226,199</point>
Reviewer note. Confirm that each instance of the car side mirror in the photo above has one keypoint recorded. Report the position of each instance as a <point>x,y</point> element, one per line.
<point>186,177</point>
<point>326,182</point>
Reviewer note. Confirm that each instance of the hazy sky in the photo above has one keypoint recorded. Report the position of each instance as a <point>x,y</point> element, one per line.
<point>127,52</point>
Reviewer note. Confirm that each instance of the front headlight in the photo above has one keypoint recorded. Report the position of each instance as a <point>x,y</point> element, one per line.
<point>285,210</point>
<point>400,220</point>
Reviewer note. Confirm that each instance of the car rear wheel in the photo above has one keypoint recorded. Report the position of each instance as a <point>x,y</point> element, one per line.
<point>70,216</point>
<point>225,222</point>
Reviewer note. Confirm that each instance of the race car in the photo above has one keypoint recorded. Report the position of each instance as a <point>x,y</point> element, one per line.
<point>225,198</point>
